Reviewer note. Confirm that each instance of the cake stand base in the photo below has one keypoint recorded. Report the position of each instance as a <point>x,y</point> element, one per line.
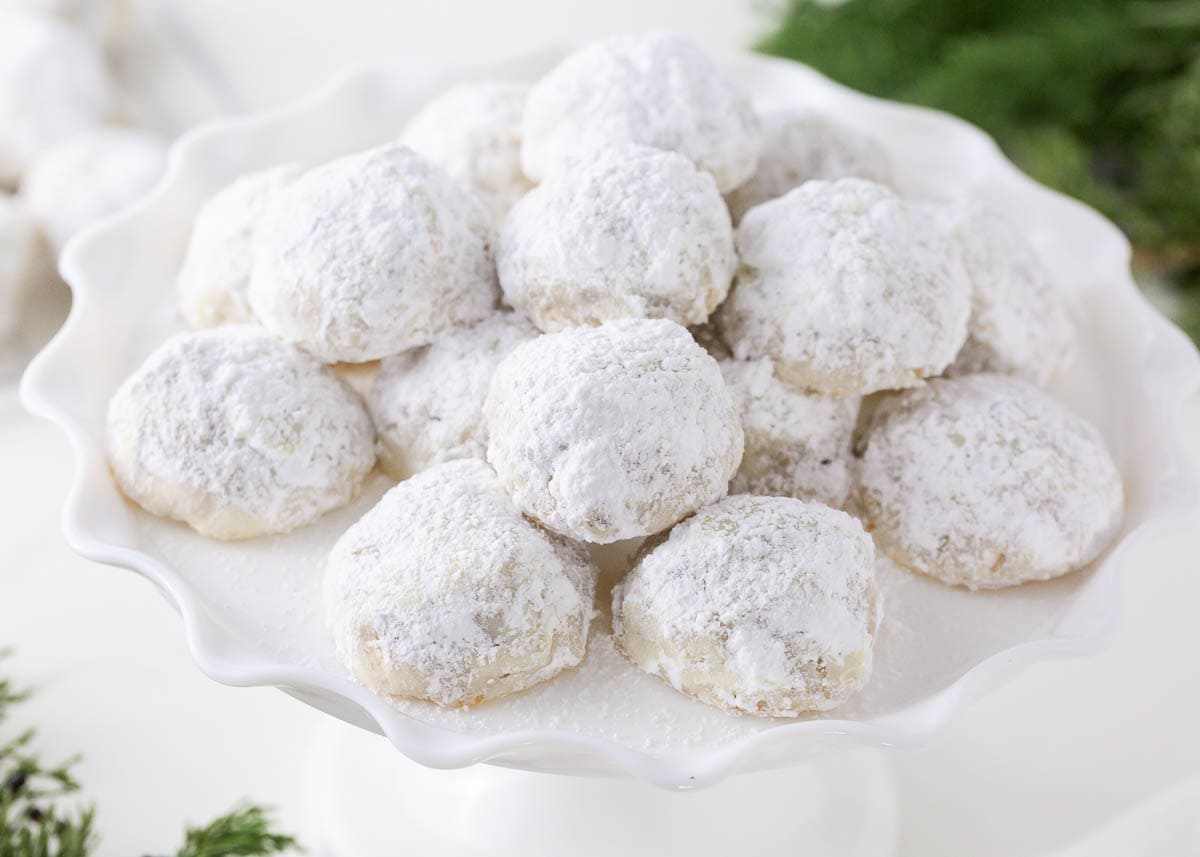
<point>367,800</point>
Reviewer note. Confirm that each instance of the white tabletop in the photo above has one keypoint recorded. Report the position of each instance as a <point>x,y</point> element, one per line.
<point>1027,770</point>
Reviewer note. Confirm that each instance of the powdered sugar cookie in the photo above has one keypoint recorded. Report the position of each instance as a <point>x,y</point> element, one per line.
<point>445,592</point>
<point>764,605</point>
<point>612,432</point>
<point>237,434</point>
<point>798,444</point>
<point>370,255</point>
<point>657,89</point>
<point>53,85</point>
<point>427,403</point>
<point>215,276</point>
<point>473,132</point>
<point>985,481</point>
<point>800,145</point>
<point>20,252</point>
<point>90,176</point>
<point>847,289</point>
<point>1019,322</point>
<point>634,232</point>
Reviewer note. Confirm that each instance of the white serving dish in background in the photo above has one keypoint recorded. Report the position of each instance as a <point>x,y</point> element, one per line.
<point>252,609</point>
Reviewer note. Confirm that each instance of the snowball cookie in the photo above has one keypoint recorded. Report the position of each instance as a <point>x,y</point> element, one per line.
<point>800,145</point>
<point>370,255</point>
<point>90,176</point>
<point>445,592</point>
<point>20,258</point>
<point>473,132</point>
<point>798,444</point>
<point>985,481</point>
<point>1019,322</point>
<point>612,432</point>
<point>53,85</point>
<point>763,605</point>
<point>635,233</point>
<point>657,89</point>
<point>847,289</point>
<point>427,403</point>
<point>238,434</point>
<point>215,276</point>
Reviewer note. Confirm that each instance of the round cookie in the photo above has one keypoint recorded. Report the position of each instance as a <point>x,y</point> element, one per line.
<point>657,89</point>
<point>798,444</point>
<point>847,289</point>
<point>370,255</point>
<point>612,432</point>
<point>444,592</point>
<point>20,260</point>
<point>800,145</point>
<point>427,404</point>
<point>1019,323</point>
<point>985,481</point>
<point>90,176</point>
<point>634,232</point>
<point>762,605</point>
<point>215,276</point>
<point>473,132</point>
<point>238,434</point>
<point>53,85</point>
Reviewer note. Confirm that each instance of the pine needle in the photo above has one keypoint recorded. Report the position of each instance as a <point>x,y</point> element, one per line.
<point>242,833</point>
<point>34,819</point>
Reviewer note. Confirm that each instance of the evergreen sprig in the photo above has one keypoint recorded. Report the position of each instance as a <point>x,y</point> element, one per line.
<point>38,814</point>
<point>1097,98</point>
<point>245,832</point>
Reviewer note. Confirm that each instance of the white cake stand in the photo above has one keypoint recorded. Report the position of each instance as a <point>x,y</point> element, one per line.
<point>252,610</point>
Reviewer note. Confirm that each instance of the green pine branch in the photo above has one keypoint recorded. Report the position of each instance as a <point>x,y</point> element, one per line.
<point>39,816</point>
<point>245,831</point>
<point>1098,98</point>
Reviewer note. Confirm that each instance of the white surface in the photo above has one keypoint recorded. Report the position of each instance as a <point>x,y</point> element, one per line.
<point>840,803</point>
<point>1166,825</point>
<point>252,609</point>
<point>1031,767</point>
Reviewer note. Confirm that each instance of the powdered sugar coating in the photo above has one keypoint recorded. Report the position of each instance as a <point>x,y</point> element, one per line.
<point>763,605</point>
<point>444,592</point>
<point>612,432</point>
<point>657,89</point>
<point>473,132</point>
<point>238,434</point>
<point>1019,323</point>
<point>90,176</point>
<point>53,85</point>
<point>20,252</point>
<point>215,276</point>
<point>798,444</point>
<point>634,232</point>
<point>847,289</point>
<point>370,255</point>
<point>427,404</point>
<point>985,481</point>
<point>800,145</point>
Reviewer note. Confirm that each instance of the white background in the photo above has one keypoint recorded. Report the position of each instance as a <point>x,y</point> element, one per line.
<point>1026,770</point>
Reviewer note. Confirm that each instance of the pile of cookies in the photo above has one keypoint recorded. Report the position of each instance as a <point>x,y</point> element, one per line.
<point>68,153</point>
<point>614,304</point>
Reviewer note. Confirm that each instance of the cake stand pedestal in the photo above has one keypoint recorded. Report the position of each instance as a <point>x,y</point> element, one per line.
<point>367,800</point>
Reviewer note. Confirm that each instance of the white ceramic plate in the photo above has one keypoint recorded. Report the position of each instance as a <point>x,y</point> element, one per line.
<point>252,610</point>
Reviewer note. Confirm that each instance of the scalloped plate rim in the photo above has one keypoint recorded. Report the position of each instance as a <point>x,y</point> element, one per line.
<point>1175,505</point>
